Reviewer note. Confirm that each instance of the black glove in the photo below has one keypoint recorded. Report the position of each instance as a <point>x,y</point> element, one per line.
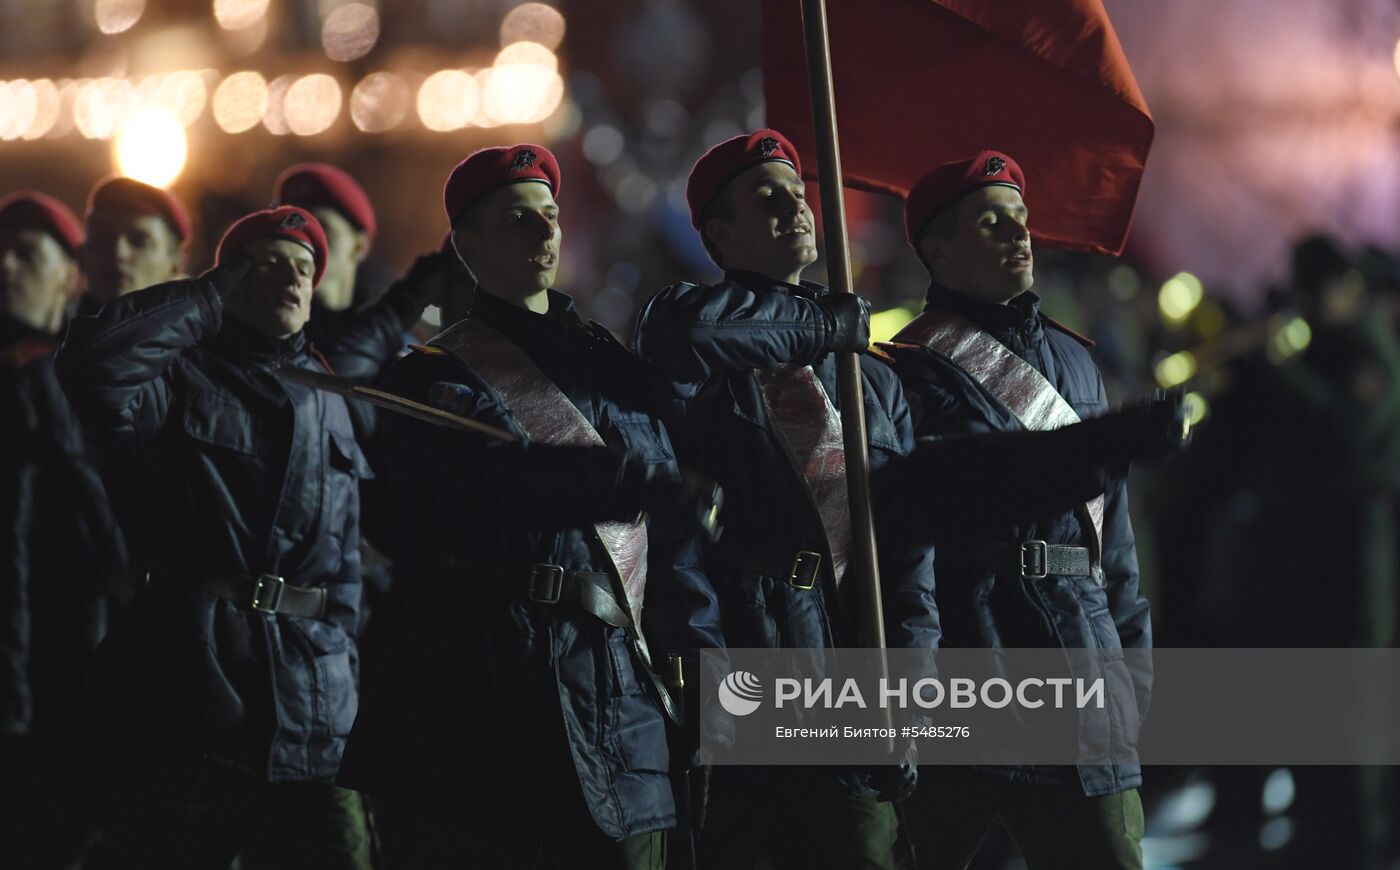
<point>687,498</point>
<point>1143,430</point>
<point>896,781</point>
<point>848,322</point>
<point>226,276</point>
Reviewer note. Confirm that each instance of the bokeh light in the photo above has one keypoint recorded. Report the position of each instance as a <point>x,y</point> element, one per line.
<point>1179,296</point>
<point>151,147</point>
<point>68,90</point>
<point>18,107</point>
<point>1176,369</point>
<point>245,41</point>
<point>273,117</point>
<point>448,100</point>
<point>379,102</point>
<point>524,87</point>
<point>101,106</point>
<point>238,14</point>
<point>528,53</point>
<point>312,104</point>
<point>350,32</point>
<point>240,102</point>
<point>47,104</point>
<point>533,22</point>
<point>884,325</point>
<point>182,94</point>
<point>116,16</point>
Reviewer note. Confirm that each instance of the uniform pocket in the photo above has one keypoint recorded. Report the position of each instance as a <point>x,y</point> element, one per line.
<point>219,420</point>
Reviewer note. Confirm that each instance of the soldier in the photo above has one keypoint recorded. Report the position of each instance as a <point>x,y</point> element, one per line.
<point>748,363</point>
<point>359,340</point>
<point>230,685</point>
<point>521,724</point>
<point>134,236</point>
<point>61,541</point>
<point>983,359</point>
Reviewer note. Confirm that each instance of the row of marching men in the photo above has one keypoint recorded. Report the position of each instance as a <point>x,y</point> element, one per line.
<point>555,551</point>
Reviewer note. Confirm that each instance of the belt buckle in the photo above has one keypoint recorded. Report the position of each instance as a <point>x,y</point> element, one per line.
<point>267,592</point>
<point>1038,565</point>
<point>546,582</point>
<point>804,569</point>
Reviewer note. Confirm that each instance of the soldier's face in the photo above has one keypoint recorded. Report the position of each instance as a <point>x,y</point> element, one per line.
<point>274,298</point>
<point>989,256</point>
<point>346,247</point>
<point>125,251</point>
<point>770,229</point>
<point>36,277</point>
<point>510,239</point>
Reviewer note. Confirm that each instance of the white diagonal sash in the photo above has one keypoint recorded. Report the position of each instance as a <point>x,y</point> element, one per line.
<point>809,429</point>
<point>548,417</point>
<point>1016,383</point>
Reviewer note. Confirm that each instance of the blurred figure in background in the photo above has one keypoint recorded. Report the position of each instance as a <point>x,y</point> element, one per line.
<point>135,234</point>
<point>61,543</point>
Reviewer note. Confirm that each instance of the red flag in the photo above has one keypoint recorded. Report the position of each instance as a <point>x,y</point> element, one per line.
<point>923,82</point>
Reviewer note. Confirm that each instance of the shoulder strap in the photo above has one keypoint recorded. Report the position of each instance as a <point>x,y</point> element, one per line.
<point>1025,392</point>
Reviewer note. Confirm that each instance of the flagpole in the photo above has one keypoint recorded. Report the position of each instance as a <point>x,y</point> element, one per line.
<point>863,563</point>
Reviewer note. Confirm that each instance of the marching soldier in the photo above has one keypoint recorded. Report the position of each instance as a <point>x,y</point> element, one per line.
<point>520,723</point>
<point>748,364</point>
<point>61,540</point>
<point>983,359</point>
<point>134,237</point>
<point>230,686</point>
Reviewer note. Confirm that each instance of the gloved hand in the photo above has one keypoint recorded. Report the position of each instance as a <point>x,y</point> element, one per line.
<point>228,275</point>
<point>848,319</point>
<point>1143,430</point>
<point>896,781</point>
<point>687,498</point>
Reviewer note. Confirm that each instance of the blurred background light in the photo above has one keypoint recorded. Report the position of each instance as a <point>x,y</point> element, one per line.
<point>312,104</point>
<point>448,100</point>
<point>239,14</point>
<point>19,104</point>
<point>533,22</point>
<point>524,89</point>
<point>240,102</point>
<point>1176,369</point>
<point>350,32</point>
<point>273,117</point>
<point>379,102</point>
<point>884,325</point>
<point>151,147</point>
<point>101,106</point>
<point>47,104</point>
<point>1179,296</point>
<point>116,16</point>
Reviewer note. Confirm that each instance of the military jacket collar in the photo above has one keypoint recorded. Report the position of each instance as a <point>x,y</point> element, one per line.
<point>755,281</point>
<point>1017,323</point>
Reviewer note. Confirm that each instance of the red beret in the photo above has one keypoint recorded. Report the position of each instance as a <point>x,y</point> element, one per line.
<point>116,191</point>
<point>316,185</point>
<point>32,210</point>
<point>284,222</point>
<point>490,168</point>
<point>946,184</point>
<point>718,166</point>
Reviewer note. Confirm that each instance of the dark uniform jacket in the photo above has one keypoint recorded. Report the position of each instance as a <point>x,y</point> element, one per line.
<point>59,539</point>
<point>492,700</point>
<point>224,470</point>
<point>978,608</point>
<point>706,342</point>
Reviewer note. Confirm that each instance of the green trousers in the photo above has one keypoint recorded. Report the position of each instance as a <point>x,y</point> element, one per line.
<point>1055,829</point>
<point>195,814</point>
<point>796,817</point>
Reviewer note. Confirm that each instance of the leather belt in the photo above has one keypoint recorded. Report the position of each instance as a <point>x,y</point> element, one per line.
<point>543,583</point>
<point>801,570</point>
<point>1033,560</point>
<point>267,593</point>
